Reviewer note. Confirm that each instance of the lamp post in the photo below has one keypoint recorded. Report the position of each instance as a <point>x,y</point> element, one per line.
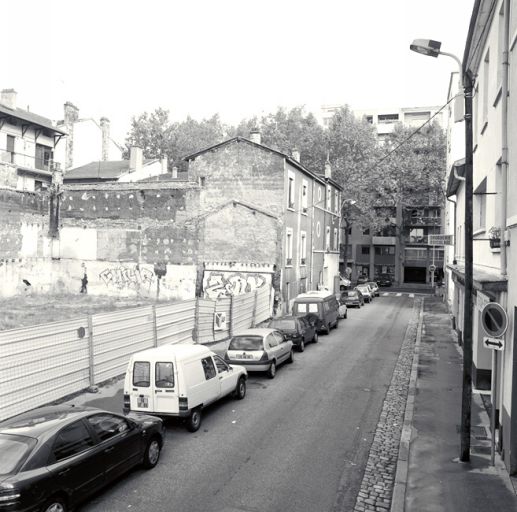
<point>345,218</point>
<point>432,49</point>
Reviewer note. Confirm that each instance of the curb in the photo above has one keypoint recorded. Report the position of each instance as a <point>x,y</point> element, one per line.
<point>399,489</point>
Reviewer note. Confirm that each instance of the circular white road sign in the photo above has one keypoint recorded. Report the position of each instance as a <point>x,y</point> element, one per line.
<point>494,319</point>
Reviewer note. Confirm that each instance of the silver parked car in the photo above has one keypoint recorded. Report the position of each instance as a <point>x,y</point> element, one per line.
<point>374,286</point>
<point>260,350</point>
<point>366,292</point>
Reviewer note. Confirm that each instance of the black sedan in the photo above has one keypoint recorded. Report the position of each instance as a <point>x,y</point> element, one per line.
<point>52,458</point>
<point>352,298</point>
<point>298,329</point>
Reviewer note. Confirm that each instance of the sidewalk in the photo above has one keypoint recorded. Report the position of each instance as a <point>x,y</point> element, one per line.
<point>436,481</point>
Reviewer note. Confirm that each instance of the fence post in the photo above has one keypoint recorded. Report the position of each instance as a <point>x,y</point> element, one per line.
<point>254,314</point>
<point>91,361</point>
<point>155,329</point>
<point>231,317</point>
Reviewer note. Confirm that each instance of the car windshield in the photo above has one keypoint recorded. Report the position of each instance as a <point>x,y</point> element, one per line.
<point>363,289</point>
<point>283,324</point>
<point>14,450</point>
<point>246,343</point>
<point>351,294</point>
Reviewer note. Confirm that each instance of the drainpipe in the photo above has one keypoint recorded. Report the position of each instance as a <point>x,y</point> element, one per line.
<point>504,135</point>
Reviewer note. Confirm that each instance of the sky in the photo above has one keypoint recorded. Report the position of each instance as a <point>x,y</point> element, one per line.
<point>119,59</point>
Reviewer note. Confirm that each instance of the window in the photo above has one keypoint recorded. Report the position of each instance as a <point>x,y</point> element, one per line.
<point>107,426</point>
<point>10,148</point>
<point>327,238</point>
<point>279,337</point>
<point>365,249</point>
<point>384,250</point>
<point>366,231</point>
<point>329,198</point>
<point>486,82</point>
<point>387,118</point>
<point>310,307</point>
<point>417,236</point>
<point>480,206</point>
<point>44,156</point>
<point>208,368</point>
<point>318,229</point>
<point>336,201</point>
<point>221,365</point>
<point>303,248</point>
<point>336,243</point>
<point>319,195</point>
<point>305,195</point>
<point>271,340</point>
<point>369,119</point>
<point>142,374</point>
<point>164,375</point>
<point>72,440</point>
<point>14,450</point>
<point>290,190</point>
<point>246,343</point>
<point>288,246</point>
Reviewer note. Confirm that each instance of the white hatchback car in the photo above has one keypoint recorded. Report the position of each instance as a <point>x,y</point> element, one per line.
<point>260,350</point>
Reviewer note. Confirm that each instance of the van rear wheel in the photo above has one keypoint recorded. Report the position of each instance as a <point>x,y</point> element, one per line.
<point>194,420</point>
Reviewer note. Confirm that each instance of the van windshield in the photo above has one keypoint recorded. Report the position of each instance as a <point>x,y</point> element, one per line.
<point>306,307</point>
<point>142,374</point>
<point>246,343</point>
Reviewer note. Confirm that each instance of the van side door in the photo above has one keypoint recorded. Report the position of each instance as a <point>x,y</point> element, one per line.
<point>226,375</point>
<point>211,388</point>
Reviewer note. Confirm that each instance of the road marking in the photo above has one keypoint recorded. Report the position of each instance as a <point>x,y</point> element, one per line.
<point>385,294</point>
<point>399,295</point>
<point>411,295</point>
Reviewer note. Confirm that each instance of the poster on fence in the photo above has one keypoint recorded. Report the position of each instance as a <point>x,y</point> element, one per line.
<point>220,321</point>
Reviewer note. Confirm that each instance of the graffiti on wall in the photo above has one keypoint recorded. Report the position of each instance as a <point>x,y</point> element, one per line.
<point>134,278</point>
<point>226,284</point>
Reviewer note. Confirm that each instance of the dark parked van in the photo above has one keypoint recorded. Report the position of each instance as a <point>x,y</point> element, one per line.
<point>321,305</point>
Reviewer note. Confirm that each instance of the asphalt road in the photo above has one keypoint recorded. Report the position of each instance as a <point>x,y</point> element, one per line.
<point>297,443</point>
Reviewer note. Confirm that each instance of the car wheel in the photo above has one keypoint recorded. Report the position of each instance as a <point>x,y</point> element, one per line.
<point>240,390</point>
<point>152,453</point>
<point>337,323</point>
<point>272,370</point>
<point>290,359</point>
<point>346,315</point>
<point>301,346</point>
<point>55,504</point>
<point>315,338</point>
<point>194,420</point>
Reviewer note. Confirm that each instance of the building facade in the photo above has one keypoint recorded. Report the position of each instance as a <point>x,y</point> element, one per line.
<point>489,60</point>
<point>305,203</point>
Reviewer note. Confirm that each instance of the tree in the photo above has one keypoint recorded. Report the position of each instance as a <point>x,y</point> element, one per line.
<point>151,132</point>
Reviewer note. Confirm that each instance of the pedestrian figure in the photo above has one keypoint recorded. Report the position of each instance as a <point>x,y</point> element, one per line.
<point>84,284</point>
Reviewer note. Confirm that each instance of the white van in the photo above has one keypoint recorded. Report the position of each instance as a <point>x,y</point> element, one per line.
<point>179,380</point>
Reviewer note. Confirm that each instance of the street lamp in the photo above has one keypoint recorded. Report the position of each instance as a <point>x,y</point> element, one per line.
<point>433,49</point>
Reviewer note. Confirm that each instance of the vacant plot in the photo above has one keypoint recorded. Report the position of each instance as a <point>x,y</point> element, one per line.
<point>22,311</point>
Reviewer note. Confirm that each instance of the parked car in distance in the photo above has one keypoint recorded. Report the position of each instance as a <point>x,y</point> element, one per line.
<point>384,280</point>
<point>53,458</point>
<point>179,380</point>
<point>299,330</point>
<point>352,298</point>
<point>320,306</point>
<point>362,279</point>
<point>373,285</point>
<point>260,350</point>
<point>365,291</point>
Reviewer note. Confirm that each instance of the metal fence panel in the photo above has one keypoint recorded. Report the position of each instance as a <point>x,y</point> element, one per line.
<point>243,307</point>
<point>263,309</point>
<point>223,306</point>
<point>116,336</point>
<point>175,323</point>
<point>41,364</point>
<point>205,322</point>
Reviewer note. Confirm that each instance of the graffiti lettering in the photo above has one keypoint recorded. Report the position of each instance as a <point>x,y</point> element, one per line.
<point>226,284</point>
<point>127,277</point>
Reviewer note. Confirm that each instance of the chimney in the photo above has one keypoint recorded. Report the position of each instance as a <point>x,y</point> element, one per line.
<point>255,136</point>
<point>174,172</point>
<point>296,154</point>
<point>105,127</point>
<point>328,170</point>
<point>8,98</point>
<point>164,163</point>
<point>135,159</point>
<point>71,115</point>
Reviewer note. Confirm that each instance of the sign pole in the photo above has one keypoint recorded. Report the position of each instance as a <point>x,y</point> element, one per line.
<point>494,406</point>
<point>432,273</point>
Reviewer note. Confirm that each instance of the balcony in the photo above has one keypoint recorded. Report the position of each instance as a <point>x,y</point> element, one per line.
<point>384,240</point>
<point>421,221</point>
